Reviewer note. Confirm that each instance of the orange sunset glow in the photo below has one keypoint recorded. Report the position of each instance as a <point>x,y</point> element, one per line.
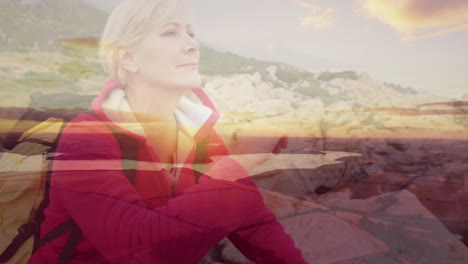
<point>348,118</point>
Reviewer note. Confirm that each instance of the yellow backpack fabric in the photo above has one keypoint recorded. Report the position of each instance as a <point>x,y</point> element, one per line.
<point>23,180</point>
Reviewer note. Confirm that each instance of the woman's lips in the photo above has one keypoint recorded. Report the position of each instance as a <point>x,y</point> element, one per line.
<point>191,64</point>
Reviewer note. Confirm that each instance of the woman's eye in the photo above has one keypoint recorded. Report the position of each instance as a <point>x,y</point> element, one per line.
<point>170,33</point>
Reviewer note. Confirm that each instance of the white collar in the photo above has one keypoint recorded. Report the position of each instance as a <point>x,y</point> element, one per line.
<point>190,114</point>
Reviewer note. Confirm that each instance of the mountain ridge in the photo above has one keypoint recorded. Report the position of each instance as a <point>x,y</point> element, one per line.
<point>39,23</point>
<point>72,27</point>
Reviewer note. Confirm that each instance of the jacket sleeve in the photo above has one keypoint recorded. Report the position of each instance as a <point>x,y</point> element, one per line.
<point>88,183</point>
<point>260,237</point>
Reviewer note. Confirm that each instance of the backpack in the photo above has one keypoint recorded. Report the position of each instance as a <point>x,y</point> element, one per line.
<point>25,175</point>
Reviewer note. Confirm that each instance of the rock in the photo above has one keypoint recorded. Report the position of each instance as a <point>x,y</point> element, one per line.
<point>407,157</point>
<point>256,78</point>
<point>284,94</point>
<point>272,72</point>
<point>230,254</point>
<point>302,174</point>
<point>313,105</point>
<point>331,175</point>
<point>240,92</point>
<point>322,237</point>
<point>446,198</point>
<point>339,119</point>
<point>270,107</point>
<point>412,233</point>
<point>339,106</point>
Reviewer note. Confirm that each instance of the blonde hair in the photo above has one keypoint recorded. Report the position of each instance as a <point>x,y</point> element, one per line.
<point>127,25</point>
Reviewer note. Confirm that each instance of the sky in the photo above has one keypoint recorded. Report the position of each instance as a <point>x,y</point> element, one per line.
<point>417,43</point>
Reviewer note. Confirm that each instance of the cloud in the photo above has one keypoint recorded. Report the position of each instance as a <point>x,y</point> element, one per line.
<point>270,48</point>
<point>317,17</point>
<point>417,19</point>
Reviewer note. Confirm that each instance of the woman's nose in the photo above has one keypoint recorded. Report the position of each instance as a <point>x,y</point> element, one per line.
<point>191,45</point>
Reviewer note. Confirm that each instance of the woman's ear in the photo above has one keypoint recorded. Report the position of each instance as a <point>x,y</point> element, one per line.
<point>126,59</point>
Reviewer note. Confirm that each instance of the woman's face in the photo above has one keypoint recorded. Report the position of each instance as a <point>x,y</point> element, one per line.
<point>168,55</point>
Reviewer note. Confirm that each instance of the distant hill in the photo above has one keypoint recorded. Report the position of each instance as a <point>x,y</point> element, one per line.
<point>51,45</point>
<point>39,23</point>
<point>50,24</point>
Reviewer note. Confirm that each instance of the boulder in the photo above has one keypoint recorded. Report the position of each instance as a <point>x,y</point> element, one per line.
<point>412,233</point>
<point>322,237</point>
<point>300,175</point>
<point>270,107</point>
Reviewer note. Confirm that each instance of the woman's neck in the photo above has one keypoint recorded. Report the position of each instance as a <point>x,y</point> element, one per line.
<point>152,103</point>
<point>154,108</point>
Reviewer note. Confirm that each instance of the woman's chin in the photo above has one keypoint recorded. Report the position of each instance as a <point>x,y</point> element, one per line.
<point>193,82</point>
<point>184,82</point>
<point>189,85</point>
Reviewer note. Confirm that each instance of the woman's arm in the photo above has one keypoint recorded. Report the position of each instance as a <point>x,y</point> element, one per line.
<point>113,218</point>
<point>260,237</point>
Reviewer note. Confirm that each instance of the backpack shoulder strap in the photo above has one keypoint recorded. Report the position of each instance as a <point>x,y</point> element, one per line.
<point>65,106</point>
<point>24,233</point>
<point>130,145</point>
<point>70,245</point>
<point>68,226</point>
<point>27,133</point>
<point>129,148</point>
<point>38,140</point>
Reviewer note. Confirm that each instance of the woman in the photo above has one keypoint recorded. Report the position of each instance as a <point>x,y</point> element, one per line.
<point>123,176</point>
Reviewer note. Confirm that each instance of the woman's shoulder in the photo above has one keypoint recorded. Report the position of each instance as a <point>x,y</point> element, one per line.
<point>85,124</point>
<point>88,134</point>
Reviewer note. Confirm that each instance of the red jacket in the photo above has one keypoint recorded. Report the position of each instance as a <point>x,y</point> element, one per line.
<point>147,221</point>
